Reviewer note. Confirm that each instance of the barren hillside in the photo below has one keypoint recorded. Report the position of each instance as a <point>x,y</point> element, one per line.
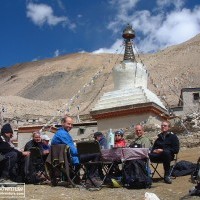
<point>44,87</point>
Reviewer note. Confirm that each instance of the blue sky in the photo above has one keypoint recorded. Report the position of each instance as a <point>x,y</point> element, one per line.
<point>38,29</point>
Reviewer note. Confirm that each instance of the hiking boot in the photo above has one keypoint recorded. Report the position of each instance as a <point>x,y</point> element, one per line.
<point>93,183</point>
<point>7,183</point>
<point>167,180</point>
<point>97,181</point>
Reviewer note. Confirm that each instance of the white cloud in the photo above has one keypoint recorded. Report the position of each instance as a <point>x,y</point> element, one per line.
<point>60,4</point>
<point>34,59</point>
<point>159,29</point>
<point>179,27</point>
<point>175,28</point>
<point>123,7</point>
<point>117,47</point>
<point>56,53</point>
<point>41,14</point>
<point>165,3</point>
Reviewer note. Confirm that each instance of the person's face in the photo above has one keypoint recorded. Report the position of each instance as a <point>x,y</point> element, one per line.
<point>118,137</point>
<point>98,138</point>
<point>68,124</point>
<point>45,142</point>
<point>164,127</point>
<point>139,131</point>
<point>37,138</point>
<point>9,135</point>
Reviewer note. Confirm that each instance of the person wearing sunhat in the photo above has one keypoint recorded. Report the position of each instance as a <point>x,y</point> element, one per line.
<point>10,154</point>
<point>45,142</point>
<point>119,138</point>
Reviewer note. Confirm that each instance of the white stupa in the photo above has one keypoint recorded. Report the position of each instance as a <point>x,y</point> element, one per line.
<point>130,95</point>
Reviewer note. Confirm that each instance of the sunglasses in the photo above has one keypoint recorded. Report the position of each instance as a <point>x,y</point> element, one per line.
<point>117,135</point>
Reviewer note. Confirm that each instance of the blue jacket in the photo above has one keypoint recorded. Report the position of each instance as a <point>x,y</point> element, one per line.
<point>103,142</point>
<point>45,147</point>
<point>63,137</point>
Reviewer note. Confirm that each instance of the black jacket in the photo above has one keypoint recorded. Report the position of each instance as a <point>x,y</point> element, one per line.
<point>168,143</point>
<point>6,148</point>
<point>31,144</point>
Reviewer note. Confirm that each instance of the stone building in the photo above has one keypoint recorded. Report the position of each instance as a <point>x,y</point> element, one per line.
<point>189,102</point>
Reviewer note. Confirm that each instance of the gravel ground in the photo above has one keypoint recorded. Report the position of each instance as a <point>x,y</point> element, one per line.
<point>177,190</point>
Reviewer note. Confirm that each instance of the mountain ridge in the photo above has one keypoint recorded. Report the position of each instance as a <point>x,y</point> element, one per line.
<point>55,81</point>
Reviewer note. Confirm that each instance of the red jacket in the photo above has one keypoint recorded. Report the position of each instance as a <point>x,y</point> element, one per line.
<point>120,143</point>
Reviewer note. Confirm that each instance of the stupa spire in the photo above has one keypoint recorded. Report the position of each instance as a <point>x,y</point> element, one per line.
<point>128,34</point>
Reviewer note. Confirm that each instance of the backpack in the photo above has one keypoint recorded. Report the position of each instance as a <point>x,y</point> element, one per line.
<point>195,191</point>
<point>183,168</point>
<point>135,175</point>
<point>195,176</point>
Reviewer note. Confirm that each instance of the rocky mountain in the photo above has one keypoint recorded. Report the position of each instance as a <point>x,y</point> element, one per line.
<point>43,88</point>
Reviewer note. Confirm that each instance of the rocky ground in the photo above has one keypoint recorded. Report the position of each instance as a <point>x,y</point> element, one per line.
<point>177,190</point>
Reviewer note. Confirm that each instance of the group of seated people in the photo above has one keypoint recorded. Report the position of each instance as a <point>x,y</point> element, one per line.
<point>141,140</point>
<point>163,149</point>
<point>14,163</point>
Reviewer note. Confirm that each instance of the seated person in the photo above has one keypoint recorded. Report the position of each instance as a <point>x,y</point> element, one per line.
<point>164,148</point>
<point>36,142</point>
<point>62,136</point>
<point>119,140</point>
<point>141,141</point>
<point>45,142</point>
<point>99,137</point>
<point>31,169</point>
<point>12,155</point>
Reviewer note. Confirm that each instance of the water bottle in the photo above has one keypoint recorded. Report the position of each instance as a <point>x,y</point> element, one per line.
<point>110,139</point>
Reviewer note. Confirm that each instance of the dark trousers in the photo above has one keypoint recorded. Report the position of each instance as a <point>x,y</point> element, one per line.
<point>8,164</point>
<point>165,157</point>
<point>32,165</point>
<point>92,169</point>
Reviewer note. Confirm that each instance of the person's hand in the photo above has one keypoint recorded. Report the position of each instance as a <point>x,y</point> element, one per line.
<point>46,152</point>
<point>26,153</point>
<point>157,151</point>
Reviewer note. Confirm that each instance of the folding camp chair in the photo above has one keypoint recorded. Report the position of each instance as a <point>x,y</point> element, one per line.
<point>155,165</point>
<point>36,163</point>
<point>91,149</point>
<point>58,165</point>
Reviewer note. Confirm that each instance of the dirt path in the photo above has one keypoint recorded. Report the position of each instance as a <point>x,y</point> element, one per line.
<point>175,191</point>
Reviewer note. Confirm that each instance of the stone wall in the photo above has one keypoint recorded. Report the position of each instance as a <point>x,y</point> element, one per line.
<point>190,105</point>
<point>191,140</point>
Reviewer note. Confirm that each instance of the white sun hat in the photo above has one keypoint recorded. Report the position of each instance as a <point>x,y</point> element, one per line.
<point>45,137</point>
